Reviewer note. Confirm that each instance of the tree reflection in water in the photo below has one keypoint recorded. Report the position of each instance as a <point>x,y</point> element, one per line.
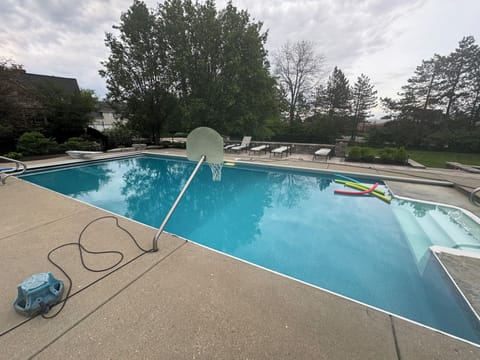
<point>86,179</point>
<point>152,187</point>
<point>419,209</point>
<point>224,214</point>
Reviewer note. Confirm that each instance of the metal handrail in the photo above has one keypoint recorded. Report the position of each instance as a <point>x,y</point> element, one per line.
<point>175,204</point>
<point>472,196</point>
<point>17,171</point>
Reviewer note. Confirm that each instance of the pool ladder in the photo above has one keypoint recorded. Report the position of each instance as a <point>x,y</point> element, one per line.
<point>20,168</point>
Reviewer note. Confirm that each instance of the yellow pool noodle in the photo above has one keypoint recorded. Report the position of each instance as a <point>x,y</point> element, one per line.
<point>363,187</point>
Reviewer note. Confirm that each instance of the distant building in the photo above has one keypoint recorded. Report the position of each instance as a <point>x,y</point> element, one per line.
<point>27,89</point>
<point>105,117</point>
<point>67,86</point>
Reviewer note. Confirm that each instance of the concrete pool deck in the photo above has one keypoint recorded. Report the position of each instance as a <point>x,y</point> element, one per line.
<point>186,301</point>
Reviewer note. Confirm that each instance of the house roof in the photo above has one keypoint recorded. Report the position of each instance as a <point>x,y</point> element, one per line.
<point>66,85</point>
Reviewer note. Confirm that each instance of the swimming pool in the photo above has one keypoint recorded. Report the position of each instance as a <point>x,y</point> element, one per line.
<point>291,222</point>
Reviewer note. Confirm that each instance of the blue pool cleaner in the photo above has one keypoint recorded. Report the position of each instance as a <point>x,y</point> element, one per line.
<point>38,294</point>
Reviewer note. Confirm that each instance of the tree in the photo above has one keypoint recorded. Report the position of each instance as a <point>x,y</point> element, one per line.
<point>228,85</point>
<point>187,65</point>
<point>455,70</point>
<point>335,97</point>
<point>474,101</point>
<point>18,106</point>
<point>136,71</point>
<point>65,115</point>
<point>297,68</point>
<point>364,98</point>
<point>422,88</point>
<point>439,106</point>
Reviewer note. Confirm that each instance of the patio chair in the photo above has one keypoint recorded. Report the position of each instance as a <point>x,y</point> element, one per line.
<point>229,146</point>
<point>280,150</point>
<point>323,152</point>
<point>244,145</point>
<point>258,149</point>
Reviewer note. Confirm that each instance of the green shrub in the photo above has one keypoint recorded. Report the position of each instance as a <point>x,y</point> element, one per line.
<point>35,143</point>
<point>401,156</point>
<point>78,143</point>
<point>387,155</point>
<point>367,154</point>
<point>13,155</point>
<point>119,136</point>
<point>393,156</point>
<point>355,153</point>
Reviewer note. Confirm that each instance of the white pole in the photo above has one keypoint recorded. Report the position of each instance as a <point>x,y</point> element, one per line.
<point>174,206</point>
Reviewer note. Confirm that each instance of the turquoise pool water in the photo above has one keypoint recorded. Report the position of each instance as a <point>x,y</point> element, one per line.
<point>291,222</point>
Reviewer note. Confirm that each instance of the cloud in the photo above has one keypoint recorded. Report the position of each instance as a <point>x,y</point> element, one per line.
<point>385,39</point>
<point>345,32</point>
<point>59,37</point>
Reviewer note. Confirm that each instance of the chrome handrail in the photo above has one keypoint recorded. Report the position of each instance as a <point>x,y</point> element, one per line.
<point>4,175</point>
<point>472,197</point>
<point>175,204</point>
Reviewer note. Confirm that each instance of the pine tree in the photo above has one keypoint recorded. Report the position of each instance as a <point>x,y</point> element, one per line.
<point>364,98</point>
<point>473,106</point>
<point>455,70</point>
<point>334,99</point>
<point>421,90</point>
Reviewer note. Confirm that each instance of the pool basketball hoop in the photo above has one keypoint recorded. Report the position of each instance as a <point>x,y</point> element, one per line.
<point>203,145</point>
<point>204,141</point>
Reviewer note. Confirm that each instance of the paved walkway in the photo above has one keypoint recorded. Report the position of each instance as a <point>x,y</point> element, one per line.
<point>183,302</point>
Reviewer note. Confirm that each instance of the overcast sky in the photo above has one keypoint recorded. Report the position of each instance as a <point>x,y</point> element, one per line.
<point>385,40</point>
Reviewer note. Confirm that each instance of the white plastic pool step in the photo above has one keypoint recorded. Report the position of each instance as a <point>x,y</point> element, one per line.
<point>418,240</point>
<point>462,230</point>
<point>431,225</point>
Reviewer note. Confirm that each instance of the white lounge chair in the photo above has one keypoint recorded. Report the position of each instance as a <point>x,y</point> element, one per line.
<point>259,148</point>
<point>281,150</point>
<point>77,154</point>
<point>244,145</point>
<point>228,147</point>
<point>323,152</point>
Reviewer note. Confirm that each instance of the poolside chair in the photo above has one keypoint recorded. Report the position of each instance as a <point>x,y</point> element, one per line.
<point>229,146</point>
<point>280,150</point>
<point>258,149</point>
<point>244,145</point>
<point>323,152</point>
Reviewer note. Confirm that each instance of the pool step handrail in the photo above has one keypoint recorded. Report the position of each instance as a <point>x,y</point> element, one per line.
<point>20,168</point>
<point>175,203</point>
<point>473,196</point>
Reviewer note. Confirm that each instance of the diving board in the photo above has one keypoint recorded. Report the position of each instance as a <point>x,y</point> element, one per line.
<point>77,154</point>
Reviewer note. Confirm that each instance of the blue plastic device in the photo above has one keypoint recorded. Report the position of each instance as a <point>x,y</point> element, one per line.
<point>38,294</point>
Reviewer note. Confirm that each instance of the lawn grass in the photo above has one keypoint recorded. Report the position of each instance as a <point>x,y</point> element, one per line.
<point>438,158</point>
